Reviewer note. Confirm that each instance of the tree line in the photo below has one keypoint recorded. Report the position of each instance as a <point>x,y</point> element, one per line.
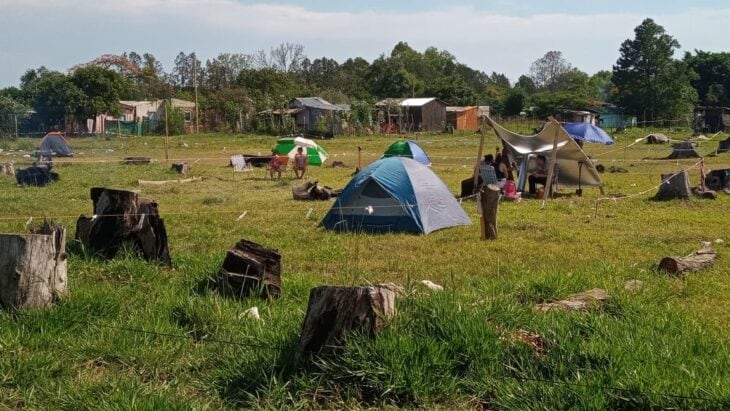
<point>647,80</point>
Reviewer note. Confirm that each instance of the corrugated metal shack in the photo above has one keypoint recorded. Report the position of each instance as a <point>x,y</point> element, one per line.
<point>411,114</point>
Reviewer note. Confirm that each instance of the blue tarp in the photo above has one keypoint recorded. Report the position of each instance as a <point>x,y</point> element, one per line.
<point>588,132</point>
<point>395,194</point>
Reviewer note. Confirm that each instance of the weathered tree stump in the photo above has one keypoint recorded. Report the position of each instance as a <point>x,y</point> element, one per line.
<point>7,169</point>
<point>33,267</point>
<point>35,176</point>
<point>181,168</point>
<point>334,311</point>
<point>137,160</point>
<point>685,149</point>
<point>724,146</point>
<point>122,217</point>
<point>489,203</point>
<point>250,268</point>
<point>675,185</point>
<point>718,179</point>
<point>702,258</point>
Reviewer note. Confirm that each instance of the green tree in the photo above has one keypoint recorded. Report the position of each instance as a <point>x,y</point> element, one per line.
<point>102,88</point>
<point>713,76</point>
<point>53,96</point>
<point>548,73</point>
<point>648,80</point>
<point>514,102</point>
<point>268,87</point>
<point>526,84</point>
<point>11,110</point>
<point>601,84</point>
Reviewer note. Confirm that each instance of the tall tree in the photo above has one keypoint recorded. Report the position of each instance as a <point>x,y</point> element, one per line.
<point>548,71</point>
<point>53,96</point>
<point>649,81</point>
<point>713,81</point>
<point>286,57</point>
<point>185,70</point>
<point>222,71</point>
<point>101,88</point>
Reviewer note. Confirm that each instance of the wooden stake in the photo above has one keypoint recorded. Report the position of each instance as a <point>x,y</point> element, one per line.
<point>359,158</point>
<point>489,203</point>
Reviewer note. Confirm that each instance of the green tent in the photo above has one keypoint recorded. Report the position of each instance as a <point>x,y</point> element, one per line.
<point>287,146</point>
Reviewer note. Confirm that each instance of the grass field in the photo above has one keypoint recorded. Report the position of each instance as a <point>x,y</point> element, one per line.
<point>666,346</point>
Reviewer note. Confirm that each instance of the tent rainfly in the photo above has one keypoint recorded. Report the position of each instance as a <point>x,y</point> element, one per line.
<point>409,149</point>
<point>574,168</point>
<point>395,194</point>
<point>54,145</point>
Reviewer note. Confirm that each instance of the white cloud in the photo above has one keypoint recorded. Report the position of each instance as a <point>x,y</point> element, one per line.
<point>484,40</point>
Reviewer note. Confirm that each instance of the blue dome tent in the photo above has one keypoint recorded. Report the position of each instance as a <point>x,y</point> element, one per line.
<point>395,194</point>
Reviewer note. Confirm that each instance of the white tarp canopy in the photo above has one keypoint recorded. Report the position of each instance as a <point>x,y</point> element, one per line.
<point>574,168</point>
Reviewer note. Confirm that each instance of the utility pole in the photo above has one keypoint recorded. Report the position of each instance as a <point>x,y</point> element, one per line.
<point>195,86</point>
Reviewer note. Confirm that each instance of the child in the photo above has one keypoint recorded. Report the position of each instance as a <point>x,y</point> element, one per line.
<point>300,163</point>
<point>275,165</point>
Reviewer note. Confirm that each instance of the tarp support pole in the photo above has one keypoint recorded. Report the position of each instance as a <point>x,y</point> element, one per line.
<point>551,167</point>
<point>479,158</point>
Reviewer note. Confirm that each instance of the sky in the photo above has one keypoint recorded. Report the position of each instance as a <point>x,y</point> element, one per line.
<point>497,35</point>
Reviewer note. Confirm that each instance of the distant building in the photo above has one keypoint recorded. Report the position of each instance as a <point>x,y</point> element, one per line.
<point>484,112</point>
<point>411,114</point>
<point>578,116</point>
<point>711,119</point>
<point>317,115</point>
<point>611,116</point>
<point>463,118</point>
<point>138,112</point>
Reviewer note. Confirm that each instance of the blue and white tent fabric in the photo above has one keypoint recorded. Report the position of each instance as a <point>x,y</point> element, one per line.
<point>395,194</point>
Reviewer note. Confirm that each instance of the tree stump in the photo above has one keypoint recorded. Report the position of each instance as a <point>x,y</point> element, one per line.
<point>33,267</point>
<point>137,160</point>
<point>122,217</point>
<point>702,258</point>
<point>181,168</point>
<point>35,176</point>
<point>489,204</point>
<point>684,149</point>
<point>724,146</point>
<point>334,311</point>
<point>675,185</point>
<point>250,268</point>
<point>7,169</point>
<point>718,179</point>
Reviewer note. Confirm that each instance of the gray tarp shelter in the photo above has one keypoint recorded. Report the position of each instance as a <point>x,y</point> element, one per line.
<point>54,145</point>
<point>574,168</point>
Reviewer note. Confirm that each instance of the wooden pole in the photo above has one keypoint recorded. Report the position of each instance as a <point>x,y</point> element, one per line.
<point>119,127</point>
<point>359,158</point>
<point>167,131</point>
<point>490,203</point>
<point>551,166</point>
<point>195,86</point>
<point>479,158</point>
<point>16,125</point>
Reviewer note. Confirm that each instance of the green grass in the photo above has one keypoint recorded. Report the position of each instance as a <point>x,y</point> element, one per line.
<point>647,350</point>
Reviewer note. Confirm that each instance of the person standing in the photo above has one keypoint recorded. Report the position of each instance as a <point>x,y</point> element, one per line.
<point>300,163</point>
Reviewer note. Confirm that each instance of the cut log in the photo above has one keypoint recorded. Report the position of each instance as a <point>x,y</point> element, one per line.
<point>335,311</point>
<point>33,267</point>
<point>702,258</point>
<point>7,169</point>
<point>675,185</point>
<point>577,302</point>
<point>137,160</point>
<point>122,217</point>
<point>718,179</point>
<point>163,182</point>
<point>489,204</point>
<point>724,146</point>
<point>685,149</point>
<point>181,168</point>
<point>250,268</point>
<point>706,194</point>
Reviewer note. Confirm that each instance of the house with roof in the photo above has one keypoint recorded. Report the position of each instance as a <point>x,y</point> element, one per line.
<point>409,115</point>
<point>317,115</point>
<point>463,118</point>
<point>612,116</point>
<point>135,113</point>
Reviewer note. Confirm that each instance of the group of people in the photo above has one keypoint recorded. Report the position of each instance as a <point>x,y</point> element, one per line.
<point>499,169</point>
<point>278,163</point>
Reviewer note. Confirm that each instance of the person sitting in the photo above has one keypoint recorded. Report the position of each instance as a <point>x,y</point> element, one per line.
<point>300,163</point>
<point>538,175</point>
<point>275,165</point>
